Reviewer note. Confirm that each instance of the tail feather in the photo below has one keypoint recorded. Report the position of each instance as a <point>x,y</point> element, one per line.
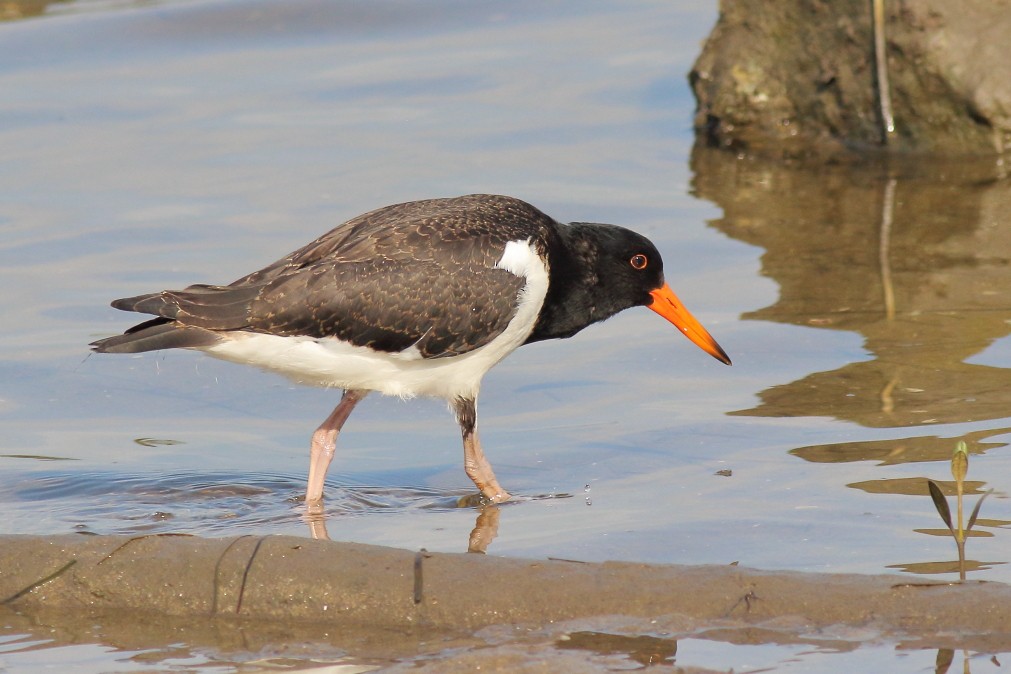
<point>189,318</point>
<point>205,306</point>
<point>155,335</point>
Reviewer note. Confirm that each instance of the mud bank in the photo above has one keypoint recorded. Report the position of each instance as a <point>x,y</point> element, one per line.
<point>293,580</point>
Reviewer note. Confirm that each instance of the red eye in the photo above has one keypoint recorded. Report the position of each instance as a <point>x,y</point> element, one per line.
<point>639,261</point>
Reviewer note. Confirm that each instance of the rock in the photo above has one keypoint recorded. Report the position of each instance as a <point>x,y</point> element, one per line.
<point>797,79</point>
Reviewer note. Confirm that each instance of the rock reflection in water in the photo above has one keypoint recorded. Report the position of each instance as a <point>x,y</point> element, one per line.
<point>644,649</point>
<point>911,449</point>
<point>916,258</point>
<point>12,10</point>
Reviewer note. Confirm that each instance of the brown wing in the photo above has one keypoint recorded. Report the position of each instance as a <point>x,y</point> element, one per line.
<point>421,273</point>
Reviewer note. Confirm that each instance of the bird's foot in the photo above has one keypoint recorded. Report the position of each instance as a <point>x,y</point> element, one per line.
<point>483,499</point>
<point>499,496</point>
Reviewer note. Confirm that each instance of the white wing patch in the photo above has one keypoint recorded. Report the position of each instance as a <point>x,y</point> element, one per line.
<point>519,259</point>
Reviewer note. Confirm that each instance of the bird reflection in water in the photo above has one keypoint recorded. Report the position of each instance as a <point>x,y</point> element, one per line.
<point>481,536</point>
<point>484,532</point>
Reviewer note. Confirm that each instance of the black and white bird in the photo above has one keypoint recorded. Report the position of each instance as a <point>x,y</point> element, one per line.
<point>415,299</point>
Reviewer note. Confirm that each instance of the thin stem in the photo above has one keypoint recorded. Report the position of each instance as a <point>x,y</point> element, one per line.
<point>960,542</point>
<point>884,247</point>
<point>881,61</point>
<point>959,490</point>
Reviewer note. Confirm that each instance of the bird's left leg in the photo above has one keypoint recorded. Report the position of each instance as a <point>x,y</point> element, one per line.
<point>474,462</point>
<point>324,443</point>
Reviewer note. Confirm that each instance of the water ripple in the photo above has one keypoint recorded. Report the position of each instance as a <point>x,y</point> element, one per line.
<point>206,503</point>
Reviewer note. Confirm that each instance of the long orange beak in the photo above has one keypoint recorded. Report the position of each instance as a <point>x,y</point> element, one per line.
<point>667,304</point>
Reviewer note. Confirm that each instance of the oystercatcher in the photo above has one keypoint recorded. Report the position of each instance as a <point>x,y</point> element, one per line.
<point>419,298</point>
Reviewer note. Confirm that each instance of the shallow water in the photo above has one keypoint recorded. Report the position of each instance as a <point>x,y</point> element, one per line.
<point>599,646</point>
<point>153,145</point>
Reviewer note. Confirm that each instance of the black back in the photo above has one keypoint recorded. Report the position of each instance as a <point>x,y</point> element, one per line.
<point>420,273</point>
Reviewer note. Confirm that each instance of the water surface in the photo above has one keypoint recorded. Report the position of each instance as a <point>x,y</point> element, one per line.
<point>154,145</point>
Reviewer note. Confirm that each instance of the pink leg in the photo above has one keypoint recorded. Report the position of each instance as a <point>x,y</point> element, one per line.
<point>324,443</point>
<point>474,462</point>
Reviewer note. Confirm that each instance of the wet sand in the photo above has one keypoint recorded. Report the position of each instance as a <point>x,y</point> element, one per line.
<point>383,605</point>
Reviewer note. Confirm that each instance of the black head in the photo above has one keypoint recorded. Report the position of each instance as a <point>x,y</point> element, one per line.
<point>599,270</point>
<point>622,266</point>
<point>595,272</point>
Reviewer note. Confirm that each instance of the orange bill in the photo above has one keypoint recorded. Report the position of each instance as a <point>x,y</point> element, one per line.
<point>667,304</point>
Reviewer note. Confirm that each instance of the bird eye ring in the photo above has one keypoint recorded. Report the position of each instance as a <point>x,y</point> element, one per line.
<point>638,261</point>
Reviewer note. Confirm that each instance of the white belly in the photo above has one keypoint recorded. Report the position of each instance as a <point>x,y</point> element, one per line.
<point>329,362</point>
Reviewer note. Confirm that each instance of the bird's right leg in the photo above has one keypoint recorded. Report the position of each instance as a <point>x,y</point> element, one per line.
<point>474,462</point>
<point>324,443</point>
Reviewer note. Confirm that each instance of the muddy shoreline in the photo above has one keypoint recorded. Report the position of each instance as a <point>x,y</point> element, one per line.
<point>388,604</point>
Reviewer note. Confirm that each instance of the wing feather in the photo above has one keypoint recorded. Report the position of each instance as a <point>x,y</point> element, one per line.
<point>391,305</point>
<point>420,274</point>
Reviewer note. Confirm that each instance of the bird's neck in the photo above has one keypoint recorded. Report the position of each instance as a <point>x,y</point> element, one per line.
<point>574,293</point>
